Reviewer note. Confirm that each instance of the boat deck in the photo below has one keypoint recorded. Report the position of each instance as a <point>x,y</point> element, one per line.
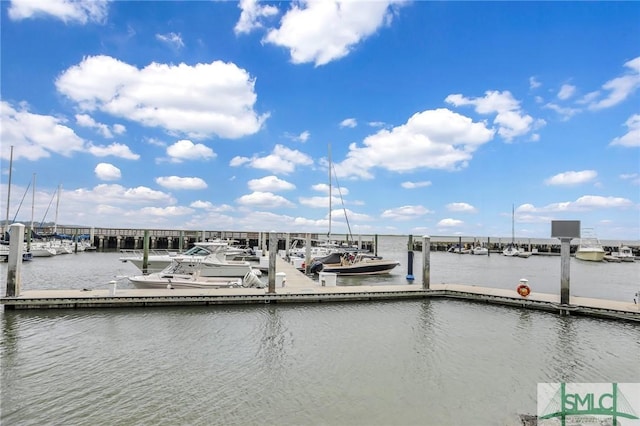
<point>299,288</point>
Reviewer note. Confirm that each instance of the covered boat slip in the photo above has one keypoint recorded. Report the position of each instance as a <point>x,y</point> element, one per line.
<point>295,287</point>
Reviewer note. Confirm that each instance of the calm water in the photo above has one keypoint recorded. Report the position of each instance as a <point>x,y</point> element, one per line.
<point>392,363</point>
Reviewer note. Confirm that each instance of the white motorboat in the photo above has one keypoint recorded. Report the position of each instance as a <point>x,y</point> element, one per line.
<point>170,280</point>
<point>511,250</point>
<point>480,250</point>
<point>589,247</point>
<point>216,252</point>
<point>624,254</point>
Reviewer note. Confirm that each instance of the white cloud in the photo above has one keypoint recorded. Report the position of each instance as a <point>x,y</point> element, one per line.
<point>434,139</point>
<point>80,11</point>
<point>324,188</point>
<point>321,31</point>
<point>187,150</point>
<point>112,194</point>
<point>114,149</point>
<point>510,118</point>
<point>270,184</point>
<point>166,211</point>
<point>565,112</point>
<point>461,207</point>
<point>86,120</point>
<point>210,207</point>
<point>534,83</point>
<point>281,160</point>
<point>176,182</point>
<point>632,138</point>
<point>413,185</point>
<point>35,136</point>
<point>251,14</point>
<point>198,100</point>
<point>405,213</point>
<point>172,39</point>
<point>619,88</point>
<point>106,171</point>
<point>264,200</point>
<point>450,223</point>
<point>349,122</point>
<point>566,91</point>
<point>572,178</point>
<point>584,203</point>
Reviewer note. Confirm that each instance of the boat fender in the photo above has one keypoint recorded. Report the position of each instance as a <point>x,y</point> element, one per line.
<point>523,290</point>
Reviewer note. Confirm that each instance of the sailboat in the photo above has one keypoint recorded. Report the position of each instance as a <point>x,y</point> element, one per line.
<point>346,260</point>
<point>511,249</point>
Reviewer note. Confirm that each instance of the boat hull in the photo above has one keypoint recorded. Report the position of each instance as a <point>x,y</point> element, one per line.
<point>178,281</point>
<point>590,255</point>
<point>366,268</point>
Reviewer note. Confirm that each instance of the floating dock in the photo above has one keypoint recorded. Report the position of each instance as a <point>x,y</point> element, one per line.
<point>299,288</point>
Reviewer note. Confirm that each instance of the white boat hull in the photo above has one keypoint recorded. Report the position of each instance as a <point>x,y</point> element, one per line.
<point>178,281</point>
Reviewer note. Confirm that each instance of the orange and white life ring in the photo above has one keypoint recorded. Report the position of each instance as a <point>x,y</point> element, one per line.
<point>523,290</point>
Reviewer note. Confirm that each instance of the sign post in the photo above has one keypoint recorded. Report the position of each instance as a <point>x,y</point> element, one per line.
<point>565,230</point>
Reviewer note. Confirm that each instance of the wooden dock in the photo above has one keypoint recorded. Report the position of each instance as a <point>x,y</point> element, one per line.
<point>299,288</point>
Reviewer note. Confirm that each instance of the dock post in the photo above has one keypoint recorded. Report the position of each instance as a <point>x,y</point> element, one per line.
<point>273,251</point>
<point>375,245</point>
<point>307,253</point>
<point>180,241</point>
<point>145,252</point>
<point>16,246</point>
<point>488,246</point>
<point>460,245</point>
<point>426,265</point>
<point>410,276</point>
<point>565,261</point>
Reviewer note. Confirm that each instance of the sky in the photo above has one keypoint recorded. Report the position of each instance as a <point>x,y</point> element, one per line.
<point>378,117</point>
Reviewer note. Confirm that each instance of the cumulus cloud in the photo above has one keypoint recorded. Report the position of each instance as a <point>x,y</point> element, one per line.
<point>281,160</point>
<point>176,182</point>
<point>413,185</point>
<point>450,223</point>
<point>252,14</point>
<point>200,100</point>
<point>264,200</point>
<point>325,189</point>
<point>618,89</point>
<point>349,122</point>
<point>461,207</point>
<point>270,184</point>
<point>86,120</point>
<point>106,171</point>
<point>113,194</point>
<point>534,83</point>
<point>35,136</point>
<point>510,119</point>
<point>565,112</point>
<point>572,177</point>
<point>78,11</point>
<point>632,138</point>
<point>114,149</point>
<point>405,212</point>
<point>321,31</point>
<point>187,150</point>
<point>440,138</point>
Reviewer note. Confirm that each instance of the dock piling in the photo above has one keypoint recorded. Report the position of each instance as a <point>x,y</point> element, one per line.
<point>145,252</point>
<point>273,251</point>
<point>426,265</point>
<point>16,246</point>
<point>410,276</point>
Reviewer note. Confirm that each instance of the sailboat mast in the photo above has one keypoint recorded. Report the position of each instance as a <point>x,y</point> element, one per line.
<point>55,224</point>
<point>513,224</point>
<point>33,207</point>
<point>330,207</point>
<point>6,222</point>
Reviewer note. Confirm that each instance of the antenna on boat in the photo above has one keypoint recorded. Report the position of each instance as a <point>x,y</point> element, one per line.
<point>329,233</point>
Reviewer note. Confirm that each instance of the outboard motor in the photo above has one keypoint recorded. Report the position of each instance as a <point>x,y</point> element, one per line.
<point>251,280</point>
<point>316,267</point>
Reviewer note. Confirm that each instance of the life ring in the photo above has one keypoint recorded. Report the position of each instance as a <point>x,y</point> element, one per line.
<point>523,290</point>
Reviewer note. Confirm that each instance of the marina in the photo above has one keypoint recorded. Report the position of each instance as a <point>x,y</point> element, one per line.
<point>413,361</point>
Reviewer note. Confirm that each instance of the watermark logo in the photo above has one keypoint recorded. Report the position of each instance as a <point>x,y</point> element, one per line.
<point>573,404</point>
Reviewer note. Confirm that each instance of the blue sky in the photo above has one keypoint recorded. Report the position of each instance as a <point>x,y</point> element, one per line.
<point>438,116</point>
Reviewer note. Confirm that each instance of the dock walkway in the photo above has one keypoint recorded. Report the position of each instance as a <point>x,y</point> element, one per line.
<point>299,288</point>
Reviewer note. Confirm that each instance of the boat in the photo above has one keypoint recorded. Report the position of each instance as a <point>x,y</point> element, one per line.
<point>458,250</point>
<point>4,254</point>
<point>589,248</point>
<point>480,250</point>
<point>170,280</point>
<point>624,254</point>
<point>349,263</point>
<point>212,253</point>
<point>512,250</point>
<point>349,260</point>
